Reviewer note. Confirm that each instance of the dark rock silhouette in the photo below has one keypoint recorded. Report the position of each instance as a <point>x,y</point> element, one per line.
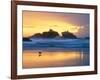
<point>68,34</point>
<point>26,39</point>
<point>37,35</point>
<point>53,34</point>
<point>50,34</point>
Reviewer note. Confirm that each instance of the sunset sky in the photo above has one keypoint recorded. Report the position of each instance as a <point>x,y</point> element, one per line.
<point>38,22</point>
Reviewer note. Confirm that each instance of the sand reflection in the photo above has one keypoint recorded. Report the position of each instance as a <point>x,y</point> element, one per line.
<point>36,59</point>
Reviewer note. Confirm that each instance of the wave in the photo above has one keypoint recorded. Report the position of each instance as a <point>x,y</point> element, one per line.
<point>56,44</point>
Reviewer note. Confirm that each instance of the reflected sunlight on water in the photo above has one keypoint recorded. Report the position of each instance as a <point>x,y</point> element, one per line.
<point>35,59</point>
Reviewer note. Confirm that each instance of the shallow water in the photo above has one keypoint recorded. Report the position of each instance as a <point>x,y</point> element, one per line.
<point>41,59</point>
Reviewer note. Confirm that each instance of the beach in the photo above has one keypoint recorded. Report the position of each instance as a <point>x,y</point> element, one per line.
<point>41,53</point>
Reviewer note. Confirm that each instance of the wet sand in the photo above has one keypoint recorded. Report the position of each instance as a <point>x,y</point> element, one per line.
<point>42,59</point>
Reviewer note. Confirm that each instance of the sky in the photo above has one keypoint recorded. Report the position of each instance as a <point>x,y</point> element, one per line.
<point>39,21</point>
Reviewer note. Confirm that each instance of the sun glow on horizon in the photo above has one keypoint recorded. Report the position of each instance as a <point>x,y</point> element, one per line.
<point>38,22</point>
